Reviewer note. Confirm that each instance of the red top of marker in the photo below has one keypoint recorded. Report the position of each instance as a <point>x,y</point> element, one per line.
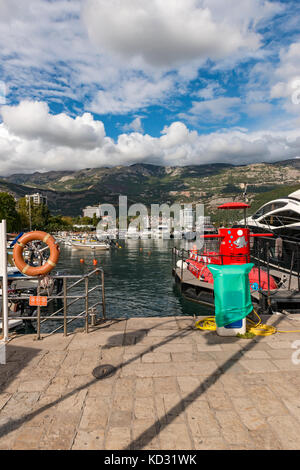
<point>234,205</point>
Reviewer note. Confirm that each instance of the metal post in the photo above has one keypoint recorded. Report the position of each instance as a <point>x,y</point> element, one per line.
<point>65,306</point>
<point>291,269</point>
<point>103,296</point>
<point>268,270</point>
<point>3,268</point>
<point>86,304</point>
<point>38,314</point>
<point>30,225</point>
<point>298,266</point>
<point>259,280</point>
<point>181,272</point>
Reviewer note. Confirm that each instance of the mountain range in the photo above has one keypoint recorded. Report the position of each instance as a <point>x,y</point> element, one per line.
<point>69,192</point>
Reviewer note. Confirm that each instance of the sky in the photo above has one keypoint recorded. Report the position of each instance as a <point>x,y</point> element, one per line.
<point>92,83</point>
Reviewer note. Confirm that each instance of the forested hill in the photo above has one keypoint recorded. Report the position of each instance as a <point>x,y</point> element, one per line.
<point>69,192</point>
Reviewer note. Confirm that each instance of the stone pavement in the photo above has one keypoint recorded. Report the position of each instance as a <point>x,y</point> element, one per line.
<point>167,386</point>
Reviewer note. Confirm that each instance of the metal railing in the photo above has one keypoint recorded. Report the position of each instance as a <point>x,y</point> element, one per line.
<point>63,294</point>
<point>280,258</point>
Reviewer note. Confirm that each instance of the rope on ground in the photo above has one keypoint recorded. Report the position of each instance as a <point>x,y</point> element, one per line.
<point>258,329</point>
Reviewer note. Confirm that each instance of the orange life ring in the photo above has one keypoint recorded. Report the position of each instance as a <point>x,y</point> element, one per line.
<point>39,270</point>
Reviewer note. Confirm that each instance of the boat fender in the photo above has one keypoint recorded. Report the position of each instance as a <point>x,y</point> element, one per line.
<point>181,264</point>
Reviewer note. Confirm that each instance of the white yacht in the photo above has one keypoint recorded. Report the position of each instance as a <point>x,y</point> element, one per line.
<point>280,216</point>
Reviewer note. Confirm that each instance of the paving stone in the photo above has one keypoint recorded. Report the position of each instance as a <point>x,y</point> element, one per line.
<point>218,400</point>
<point>156,357</point>
<point>58,385</point>
<point>280,386</point>
<point>170,347</point>
<point>89,440</point>
<point>120,418</point>
<point>145,435</point>
<point>184,357</point>
<point>233,385</point>
<point>175,437</point>
<point>144,387</point>
<point>281,345</point>
<point>125,386</point>
<point>34,385</point>
<point>250,416</point>
<point>99,388</point>
<point>265,401</point>
<point>28,438</point>
<point>144,408</point>
<point>265,439</point>
<point>280,353</point>
<point>118,438</point>
<point>202,421</point>
<point>59,436</point>
<point>123,401</point>
<point>287,428</point>
<point>201,391</point>
<point>20,404</point>
<point>188,384</point>
<point>95,414</point>
<point>8,432</point>
<point>293,405</point>
<point>201,347</point>
<point>165,385</point>
<point>210,443</point>
<point>262,365</point>
<point>4,397</point>
<point>286,364</point>
<point>232,428</point>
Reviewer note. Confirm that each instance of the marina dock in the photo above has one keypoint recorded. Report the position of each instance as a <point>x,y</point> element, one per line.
<point>152,383</point>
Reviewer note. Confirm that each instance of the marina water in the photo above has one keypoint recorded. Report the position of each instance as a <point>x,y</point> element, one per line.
<point>138,280</point>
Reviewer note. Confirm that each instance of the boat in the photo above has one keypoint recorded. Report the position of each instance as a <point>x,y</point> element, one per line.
<point>228,246</point>
<point>280,216</point>
<point>90,245</point>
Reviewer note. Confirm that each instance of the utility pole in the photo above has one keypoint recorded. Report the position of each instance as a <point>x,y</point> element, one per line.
<point>30,214</point>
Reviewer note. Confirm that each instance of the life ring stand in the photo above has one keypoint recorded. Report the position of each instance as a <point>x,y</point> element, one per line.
<point>23,267</point>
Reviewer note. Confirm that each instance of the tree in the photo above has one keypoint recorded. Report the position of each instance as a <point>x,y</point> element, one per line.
<point>22,208</point>
<point>40,217</point>
<point>56,223</point>
<point>95,220</point>
<point>8,211</point>
<point>36,217</point>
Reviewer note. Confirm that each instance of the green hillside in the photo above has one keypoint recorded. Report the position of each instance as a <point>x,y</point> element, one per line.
<point>69,192</point>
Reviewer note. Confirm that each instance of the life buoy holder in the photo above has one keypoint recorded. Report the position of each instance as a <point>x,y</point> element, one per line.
<point>23,267</point>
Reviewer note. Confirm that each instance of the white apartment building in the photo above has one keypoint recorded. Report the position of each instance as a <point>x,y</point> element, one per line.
<point>36,199</point>
<point>90,211</point>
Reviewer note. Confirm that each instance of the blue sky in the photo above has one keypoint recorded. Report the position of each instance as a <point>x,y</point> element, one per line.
<point>90,83</point>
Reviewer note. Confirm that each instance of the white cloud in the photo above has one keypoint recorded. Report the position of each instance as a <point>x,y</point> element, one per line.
<point>164,33</point>
<point>287,76</point>
<point>213,110</point>
<point>33,121</point>
<point>120,56</point>
<point>136,126</point>
<point>46,142</point>
<point>130,94</point>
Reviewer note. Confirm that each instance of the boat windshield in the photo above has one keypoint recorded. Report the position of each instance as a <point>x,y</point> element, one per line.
<point>272,206</point>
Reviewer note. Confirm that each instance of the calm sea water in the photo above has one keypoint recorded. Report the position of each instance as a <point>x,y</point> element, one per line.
<point>138,280</point>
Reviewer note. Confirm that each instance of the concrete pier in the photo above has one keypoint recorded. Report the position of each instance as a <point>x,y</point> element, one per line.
<point>152,383</point>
